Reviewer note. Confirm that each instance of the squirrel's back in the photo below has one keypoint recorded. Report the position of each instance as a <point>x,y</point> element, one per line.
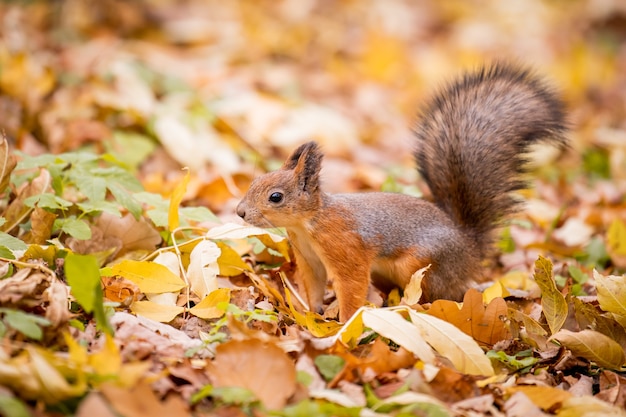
<point>472,139</point>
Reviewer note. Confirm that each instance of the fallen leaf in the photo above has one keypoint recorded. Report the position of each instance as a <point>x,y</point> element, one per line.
<point>236,231</point>
<point>208,308</point>
<point>544,397</point>
<point>175,199</point>
<point>17,211</point>
<point>593,346</point>
<point>392,325</point>
<point>485,324</point>
<point>157,312</point>
<point>413,290</point>
<point>203,268</point>
<point>125,402</point>
<point>553,302</point>
<point>611,293</point>
<point>452,343</point>
<point>261,367</point>
<point>149,276</point>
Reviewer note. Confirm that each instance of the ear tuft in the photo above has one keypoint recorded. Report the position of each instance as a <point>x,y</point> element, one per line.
<point>306,162</point>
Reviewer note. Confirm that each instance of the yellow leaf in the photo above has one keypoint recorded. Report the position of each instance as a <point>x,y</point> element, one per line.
<point>611,292</point>
<point>207,308</point>
<point>393,326</point>
<point>589,406</point>
<point>352,330</point>
<point>156,312</point>
<point>175,200</point>
<point>464,353</point>
<point>552,301</point>
<point>311,321</point>
<point>107,361</point>
<point>497,290</point>
<point>318,326</point>
<point>616,237</point>
<point>413,290</point>
<point>543,397</point>
<point>593,346</point>
<point>230,262</point>
<point>149,276</point>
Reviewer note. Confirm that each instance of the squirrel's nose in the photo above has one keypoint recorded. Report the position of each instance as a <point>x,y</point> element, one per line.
<point>241,210</point>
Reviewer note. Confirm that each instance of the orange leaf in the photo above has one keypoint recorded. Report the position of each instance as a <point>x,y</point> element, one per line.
<point>483,324</point>
<point>175,200</point>
<point>261,367</point>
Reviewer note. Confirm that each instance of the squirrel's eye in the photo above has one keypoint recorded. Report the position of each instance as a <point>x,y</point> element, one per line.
<point>276,197</point>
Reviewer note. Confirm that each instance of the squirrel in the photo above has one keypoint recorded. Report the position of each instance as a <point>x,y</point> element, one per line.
<point>472,143</point>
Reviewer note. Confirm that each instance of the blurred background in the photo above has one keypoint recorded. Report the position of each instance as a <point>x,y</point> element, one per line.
<point>228,88</point>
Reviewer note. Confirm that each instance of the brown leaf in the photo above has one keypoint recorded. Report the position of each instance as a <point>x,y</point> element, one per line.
<point>140,401</point>
<point>7,163</point>
<point>25,287</point>
<point>57,296</point>
<point>41,226</point>
<point>485,325</point>
<point>134,234</point>
<point>593,346</point>
<point>17,211</point>
<point>94,405</point>
<point>115,236</point>
<point>261,367</point>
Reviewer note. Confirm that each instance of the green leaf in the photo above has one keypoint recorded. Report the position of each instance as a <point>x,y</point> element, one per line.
<point>126,199</point>
<point>90,186</point>
<point>83,276</point>
<point>520,360</point>
<point>11,242</point>
<point>329,365</point>
<point>198,214</point>
<point>552,301</point>
<point>27,324</point>
<point>47,201</point>
<point>96,207</point>
<point>141,146</point>
<point>596,162</point>
<point>596,252</point>
<point>73,227</point>
<point>577,274</point>
<point>160,206</point>
<point>12,407</point>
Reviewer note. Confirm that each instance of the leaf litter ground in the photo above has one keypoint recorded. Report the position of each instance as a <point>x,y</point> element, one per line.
<point>124,294</point>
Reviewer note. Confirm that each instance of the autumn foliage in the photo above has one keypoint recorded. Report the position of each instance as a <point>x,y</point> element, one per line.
<point>129,287</point>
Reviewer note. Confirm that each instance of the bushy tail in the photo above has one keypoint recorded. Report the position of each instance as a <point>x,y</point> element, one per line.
<point>472,141</point>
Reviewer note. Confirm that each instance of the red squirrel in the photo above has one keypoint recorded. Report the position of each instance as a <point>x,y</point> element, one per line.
<point>472,139</point>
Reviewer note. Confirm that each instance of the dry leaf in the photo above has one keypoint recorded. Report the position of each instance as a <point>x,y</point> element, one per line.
<point>553,302</point>
<point>413,290</point>
<point>453,344</point>
<point>593,346</point>
<point>261,367</point>
<point>203,268</point>
<point>485,325</point>
<point>392,325</point>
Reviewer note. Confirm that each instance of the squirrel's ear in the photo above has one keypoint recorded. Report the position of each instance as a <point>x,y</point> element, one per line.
<point>306,162</point>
